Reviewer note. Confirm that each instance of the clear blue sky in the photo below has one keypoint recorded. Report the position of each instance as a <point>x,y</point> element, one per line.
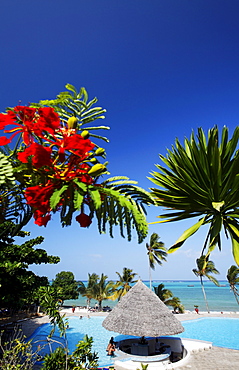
<point>160,67</point>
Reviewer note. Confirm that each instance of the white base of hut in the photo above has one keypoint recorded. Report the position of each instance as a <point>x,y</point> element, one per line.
<point>190,346</point>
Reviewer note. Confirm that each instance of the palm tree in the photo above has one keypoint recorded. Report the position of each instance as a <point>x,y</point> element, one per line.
<point>88,290</point>
<point>102,290</point>
<point>167,298</point>
<point>163,293</point>
<point>156,253</point>
<point>233,279</point>
<point>204,269</point>
<point>124,283</point>
<point>176,304</point>
<point>200,179</point>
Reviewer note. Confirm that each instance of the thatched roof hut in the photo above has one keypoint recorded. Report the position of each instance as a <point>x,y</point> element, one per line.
<point>141,313</point>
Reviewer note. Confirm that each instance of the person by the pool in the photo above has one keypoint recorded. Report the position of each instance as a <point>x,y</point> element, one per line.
<point>143,340</point>
<point>111,347</point>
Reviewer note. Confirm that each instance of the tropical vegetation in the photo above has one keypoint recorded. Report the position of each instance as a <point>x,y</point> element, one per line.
<point>200,179</point>
<point>87,290</point>
<point>124,283</point>
<point>67,285</point>
<point>102,289</point>
<point>233,280</point>
<point>156,252</point>
<point>19,285</point>
<point>56,167</point>
<point>205,268</point>
<point>167,297</point>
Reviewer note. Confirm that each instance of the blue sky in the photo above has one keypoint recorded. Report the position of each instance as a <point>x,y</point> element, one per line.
<point>160,68</point>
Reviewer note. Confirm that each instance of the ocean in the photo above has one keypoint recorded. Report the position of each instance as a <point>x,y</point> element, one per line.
<point>189,292</point>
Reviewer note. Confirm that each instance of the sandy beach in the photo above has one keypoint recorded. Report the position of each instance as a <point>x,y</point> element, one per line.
<point>216,358</point>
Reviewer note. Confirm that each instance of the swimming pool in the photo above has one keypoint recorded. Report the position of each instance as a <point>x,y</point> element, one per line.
<point>222,332</point>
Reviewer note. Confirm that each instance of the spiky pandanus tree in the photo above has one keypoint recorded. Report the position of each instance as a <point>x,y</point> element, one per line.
<point>124,284</point>
<point>156,252</point>
<point>201,179</point>
<point>58,168</point>
<point>233,280</point>
<point>204,269</point>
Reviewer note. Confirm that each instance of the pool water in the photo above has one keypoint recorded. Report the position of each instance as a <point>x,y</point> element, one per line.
<point>222,332</point>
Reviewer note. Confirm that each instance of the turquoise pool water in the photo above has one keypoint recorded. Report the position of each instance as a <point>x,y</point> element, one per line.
<point>222,332</point>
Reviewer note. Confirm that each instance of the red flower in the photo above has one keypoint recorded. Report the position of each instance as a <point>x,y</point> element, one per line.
<point>38,197</point>
<point>74,170</point>
<point>48,121</point>
<point>4,140</point>
<point>22,119</point>
<point>84,220</point>
<point>30,121</point>
<point>75,143</point>
<point>41,155</point>
<point>41,220</point>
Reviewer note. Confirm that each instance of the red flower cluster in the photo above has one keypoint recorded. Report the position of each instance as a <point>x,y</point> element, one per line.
<point>30,122</point>
<point>38,197</point>
<point>56,155</point>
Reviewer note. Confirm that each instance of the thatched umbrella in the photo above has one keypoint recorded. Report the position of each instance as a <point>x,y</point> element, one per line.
<point>141,313</point>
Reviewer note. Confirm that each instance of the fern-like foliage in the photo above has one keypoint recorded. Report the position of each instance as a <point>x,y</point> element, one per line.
<point>6,172</point>
<point>115,202</point>
<point>71,103</point>
<point>13,206</point>
<point>68,168</point>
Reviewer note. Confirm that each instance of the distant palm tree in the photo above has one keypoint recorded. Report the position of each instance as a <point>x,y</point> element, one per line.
<point>124,283</point>
<point>102,290</point>
<point>166,296</point>
<point>176,304</point>
<point>233,279</point>
<point>163,293</point>
<point>204,269</point>
<point>87,290</point>
<point>156,253</point>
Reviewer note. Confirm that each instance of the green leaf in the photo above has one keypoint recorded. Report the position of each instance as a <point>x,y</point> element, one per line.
<point>95,196</point>
<point>56,196</point>
<point>189,232</point>
<point>234,234</point>
<point>81,185</point>
<point>71,88</point>
<point>78,199</point>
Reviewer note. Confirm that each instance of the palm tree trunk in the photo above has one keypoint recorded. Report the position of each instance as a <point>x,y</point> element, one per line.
<point>236,295</point>
<point>204,294</point>
<point>150,278</point>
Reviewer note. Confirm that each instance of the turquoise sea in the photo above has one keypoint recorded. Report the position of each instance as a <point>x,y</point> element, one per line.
<point>189,292</point>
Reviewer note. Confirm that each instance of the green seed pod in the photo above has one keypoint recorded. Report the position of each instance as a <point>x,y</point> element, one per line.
<point>72,122</point>
<point>100,151</point>
<point>85,134</point>
<point>97,169</point>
